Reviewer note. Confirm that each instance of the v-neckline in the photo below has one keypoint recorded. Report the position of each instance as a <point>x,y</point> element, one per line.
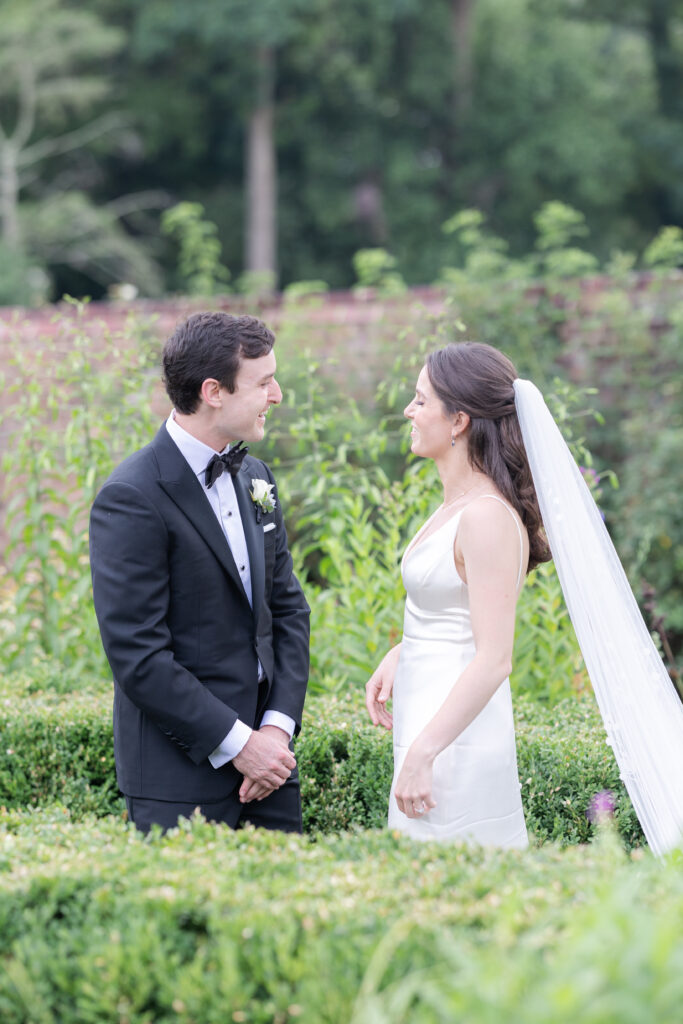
<point>418,542</point>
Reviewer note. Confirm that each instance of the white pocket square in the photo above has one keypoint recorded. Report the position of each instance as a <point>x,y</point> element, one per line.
<point>268,526</point>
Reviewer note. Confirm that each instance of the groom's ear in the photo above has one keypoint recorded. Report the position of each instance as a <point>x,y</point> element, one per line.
<point>210,392</point>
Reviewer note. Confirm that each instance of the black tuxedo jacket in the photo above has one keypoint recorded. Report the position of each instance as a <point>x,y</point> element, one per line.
<point>181,638</point>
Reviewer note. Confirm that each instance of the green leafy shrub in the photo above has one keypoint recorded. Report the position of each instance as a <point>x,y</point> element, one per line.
<point>64,441</point>
<point>376,269</point>
<point>199,258</point>
<point>99,924</point>
<point>547,660</point>
<point>58,749</point>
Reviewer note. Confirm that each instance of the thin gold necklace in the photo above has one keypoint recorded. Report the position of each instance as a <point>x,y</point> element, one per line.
<point>447,504</point>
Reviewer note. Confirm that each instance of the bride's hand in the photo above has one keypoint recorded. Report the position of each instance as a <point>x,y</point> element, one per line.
<point>379,686</point>
<point>413,790</point>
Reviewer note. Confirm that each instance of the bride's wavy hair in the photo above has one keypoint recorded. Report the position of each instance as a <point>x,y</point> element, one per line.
<point>478,379</point>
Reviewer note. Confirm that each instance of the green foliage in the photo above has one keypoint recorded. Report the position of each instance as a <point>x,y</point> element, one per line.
<point>304,291</point>
<point>97,923</point>
<point>375,268</point>
<point>547,661</point>
<point>557,224</point>
<point>65,438</point>
<point>57,748</point>
<point>256,284</point>
<point>21,284</point>
<point>70,230</point>
<point>357,608</point>
<point>564,760</point>
<point>53,73</point>
<point>631,346</point>
<point>484,255</point>
<point>199,261</point>
<point>666,249</point>
<point>56,52</point>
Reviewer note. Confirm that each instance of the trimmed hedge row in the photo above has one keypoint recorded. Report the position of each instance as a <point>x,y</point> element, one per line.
<point>57,747</point>
<point>100,925</point>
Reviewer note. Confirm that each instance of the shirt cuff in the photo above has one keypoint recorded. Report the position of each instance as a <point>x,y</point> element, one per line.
<point>232,744</point>
<point>283,722</point>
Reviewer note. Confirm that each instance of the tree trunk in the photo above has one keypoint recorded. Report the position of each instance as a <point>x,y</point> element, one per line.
<point>9,195</point>
<point>665,58</point>
<point>261,175</point>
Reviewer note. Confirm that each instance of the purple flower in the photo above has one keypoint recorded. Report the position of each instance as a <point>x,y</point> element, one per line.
<point>590,476</point>
<point>601,807</point>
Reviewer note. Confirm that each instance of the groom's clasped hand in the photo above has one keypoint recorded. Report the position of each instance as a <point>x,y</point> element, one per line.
<point>266,762</point>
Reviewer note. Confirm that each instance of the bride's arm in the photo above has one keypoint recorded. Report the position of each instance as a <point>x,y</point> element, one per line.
<point>379,686</point>
<point>488,543</point>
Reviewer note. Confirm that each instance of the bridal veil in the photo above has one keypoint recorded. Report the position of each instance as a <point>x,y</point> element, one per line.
<point>642,712</point>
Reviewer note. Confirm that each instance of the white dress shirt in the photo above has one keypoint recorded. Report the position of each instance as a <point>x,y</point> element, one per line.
<point>223,501</point>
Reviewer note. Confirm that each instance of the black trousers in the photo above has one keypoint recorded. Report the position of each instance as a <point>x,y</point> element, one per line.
<point>280,811</point>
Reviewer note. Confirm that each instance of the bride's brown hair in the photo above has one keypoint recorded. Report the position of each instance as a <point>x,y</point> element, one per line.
<point>478,379</point>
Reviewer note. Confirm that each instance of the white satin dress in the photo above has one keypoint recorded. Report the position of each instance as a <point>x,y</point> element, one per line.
<point>476,784</point>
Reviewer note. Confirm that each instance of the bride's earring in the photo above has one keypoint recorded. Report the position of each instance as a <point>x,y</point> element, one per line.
<point>452,440</point>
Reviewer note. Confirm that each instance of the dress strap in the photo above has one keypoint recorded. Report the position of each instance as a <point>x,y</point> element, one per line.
<point>519,531</point>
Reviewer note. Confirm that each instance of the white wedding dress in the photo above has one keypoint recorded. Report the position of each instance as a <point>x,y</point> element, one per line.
<point>476,785</point>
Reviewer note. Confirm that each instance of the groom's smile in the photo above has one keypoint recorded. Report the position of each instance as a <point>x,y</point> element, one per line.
<point>242,413</point>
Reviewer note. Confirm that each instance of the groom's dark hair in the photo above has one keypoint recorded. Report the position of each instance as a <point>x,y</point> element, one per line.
<point>210,345</point>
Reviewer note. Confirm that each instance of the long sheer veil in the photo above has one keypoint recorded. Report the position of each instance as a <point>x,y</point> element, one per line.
<point>642,712</point>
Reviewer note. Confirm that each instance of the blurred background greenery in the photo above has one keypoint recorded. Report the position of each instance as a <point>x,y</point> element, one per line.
<point>306,130</point>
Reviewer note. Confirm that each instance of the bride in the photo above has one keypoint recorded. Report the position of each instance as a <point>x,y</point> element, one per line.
<point>503,466</point>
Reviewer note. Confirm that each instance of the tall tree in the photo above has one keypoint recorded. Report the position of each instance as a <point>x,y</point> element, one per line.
<point>240,42</point>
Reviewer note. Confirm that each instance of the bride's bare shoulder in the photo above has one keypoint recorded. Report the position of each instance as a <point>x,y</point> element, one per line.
<point>489,515</point>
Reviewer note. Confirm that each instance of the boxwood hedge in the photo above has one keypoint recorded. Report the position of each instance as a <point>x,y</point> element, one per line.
<point>57,747</point>
<point>205,925</point>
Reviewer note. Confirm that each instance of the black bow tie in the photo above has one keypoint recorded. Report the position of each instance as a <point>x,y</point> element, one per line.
<point>229,462</point>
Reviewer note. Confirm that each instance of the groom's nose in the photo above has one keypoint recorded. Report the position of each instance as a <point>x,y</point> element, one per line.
<point>275,392</point>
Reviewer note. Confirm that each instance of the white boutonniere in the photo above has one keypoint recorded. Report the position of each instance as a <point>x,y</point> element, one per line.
<point>262,495</point>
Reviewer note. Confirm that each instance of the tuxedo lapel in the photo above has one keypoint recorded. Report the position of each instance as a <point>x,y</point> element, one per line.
<point>253,534</point>
<point>183,488</point>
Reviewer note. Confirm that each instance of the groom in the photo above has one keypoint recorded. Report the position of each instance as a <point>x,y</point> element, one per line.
<point>202,619</point>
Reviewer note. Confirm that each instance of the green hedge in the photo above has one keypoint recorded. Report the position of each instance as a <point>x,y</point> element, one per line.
<point>58,748</point>
<point>205,925</point>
